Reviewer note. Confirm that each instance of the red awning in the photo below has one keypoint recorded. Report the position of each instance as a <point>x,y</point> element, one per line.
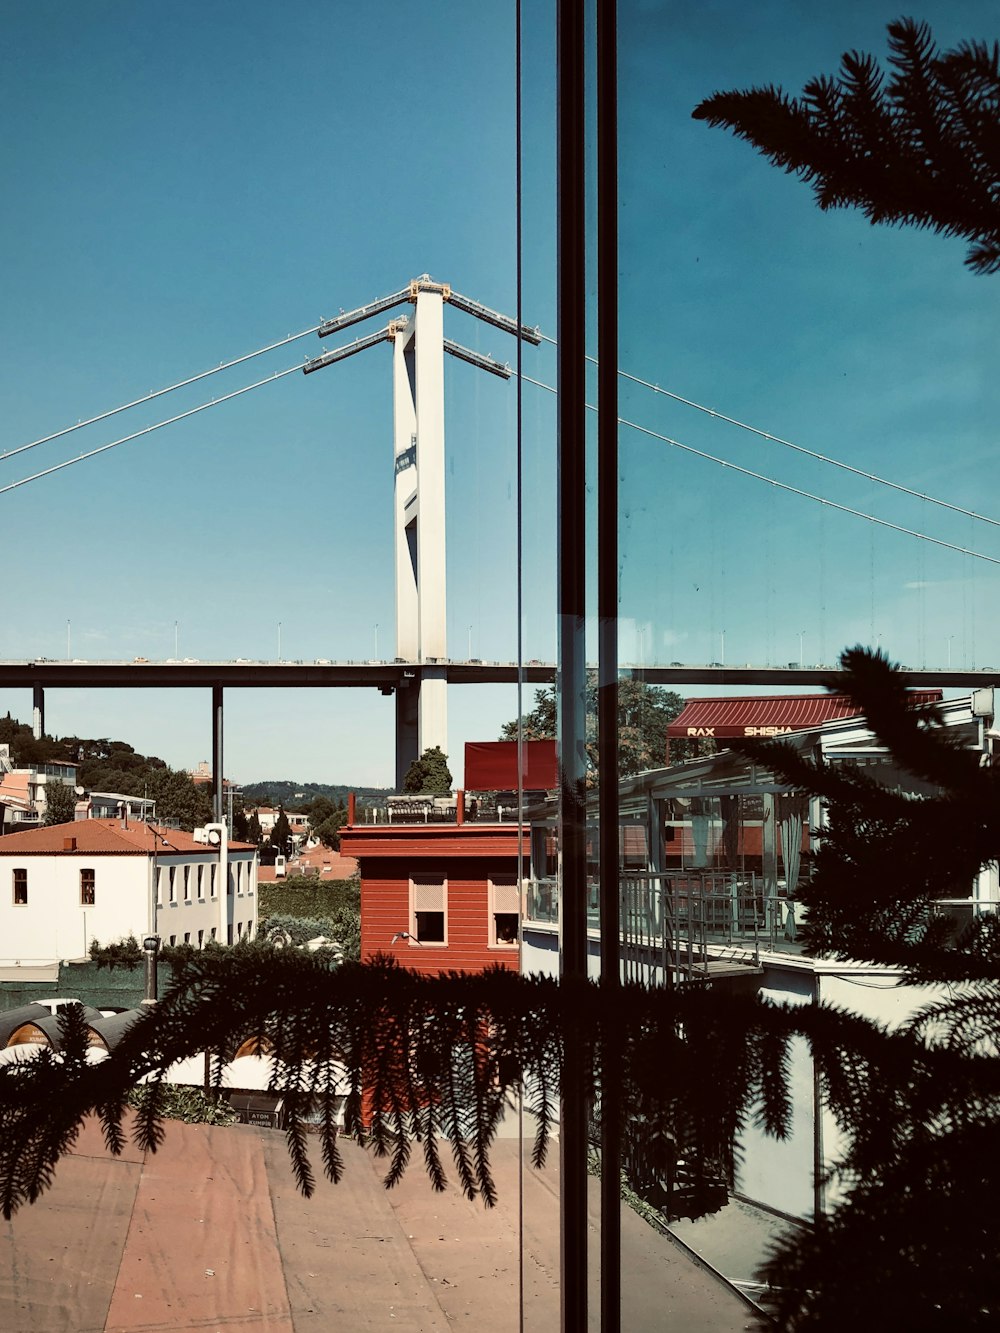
<point>770,715</point>
<point>492,765</point>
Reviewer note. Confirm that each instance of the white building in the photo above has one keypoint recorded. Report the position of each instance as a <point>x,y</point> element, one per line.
<point>65,886</point>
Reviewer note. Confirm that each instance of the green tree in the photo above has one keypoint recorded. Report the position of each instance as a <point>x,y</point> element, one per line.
<point>255,833</point>
<point>281,834</point>
<point>328,831</point>
<point>241,824</point>
<point>918,148</point>
<point>644,714</point>
<point>176,796</point>
<point>60,803</point>
<point>429,774</point>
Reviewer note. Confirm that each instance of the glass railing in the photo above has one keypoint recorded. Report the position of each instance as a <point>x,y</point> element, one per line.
<point>684,918</point>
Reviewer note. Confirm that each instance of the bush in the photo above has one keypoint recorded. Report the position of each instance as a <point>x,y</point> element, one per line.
<point>342,925</point>
<point>182,1103</point>
<point>305,896</point>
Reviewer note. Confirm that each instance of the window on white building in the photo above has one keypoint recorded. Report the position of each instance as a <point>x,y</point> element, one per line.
<point>88,888</point>
<point>201,939</point>
<point>429,907</point>
<point>20,888</point>
<point>201,884</point>
<point>212,876</point>
<point>187,884</point>
<point>171,879</point>
<point>504,907</point>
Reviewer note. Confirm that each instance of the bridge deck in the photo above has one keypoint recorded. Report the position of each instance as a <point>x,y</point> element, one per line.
<point>398,675</point>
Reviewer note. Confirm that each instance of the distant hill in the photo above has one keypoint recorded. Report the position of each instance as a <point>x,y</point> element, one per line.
<point>291,795</point>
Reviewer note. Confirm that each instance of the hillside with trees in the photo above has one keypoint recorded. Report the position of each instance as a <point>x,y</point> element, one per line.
<point>116,766</point>
<point>299,795</point>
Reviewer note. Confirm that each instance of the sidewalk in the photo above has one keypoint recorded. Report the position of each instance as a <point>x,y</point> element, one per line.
<point>735,1240</point>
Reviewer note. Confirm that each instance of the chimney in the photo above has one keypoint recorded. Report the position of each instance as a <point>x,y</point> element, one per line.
<point>69,844</point>
<point>351,804</point>
<point>460,806</point>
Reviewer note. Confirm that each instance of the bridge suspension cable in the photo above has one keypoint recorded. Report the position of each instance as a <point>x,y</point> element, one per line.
<point>146,430</point>
<point>784,486</point>
<point>156,393</point>
<point>482,361</point>
<point>797,448</point>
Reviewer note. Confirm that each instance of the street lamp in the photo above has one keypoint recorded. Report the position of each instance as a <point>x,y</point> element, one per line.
<point>150,947</point>
<point>151,942</point>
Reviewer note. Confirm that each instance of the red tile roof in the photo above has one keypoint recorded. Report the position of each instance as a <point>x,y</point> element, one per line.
<point>757,715</point>
<point>329,863</point>
<point>104,837</point>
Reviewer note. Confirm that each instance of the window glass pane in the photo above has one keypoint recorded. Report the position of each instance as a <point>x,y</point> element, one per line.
<point>779,365</point>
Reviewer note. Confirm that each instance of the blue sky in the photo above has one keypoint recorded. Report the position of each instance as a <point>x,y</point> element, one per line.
<point>186,183</point>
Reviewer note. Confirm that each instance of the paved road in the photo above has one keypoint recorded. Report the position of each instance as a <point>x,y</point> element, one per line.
<point>211,1233</point>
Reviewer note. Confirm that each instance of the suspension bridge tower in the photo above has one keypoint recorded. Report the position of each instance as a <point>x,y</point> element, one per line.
<point>419,521</point>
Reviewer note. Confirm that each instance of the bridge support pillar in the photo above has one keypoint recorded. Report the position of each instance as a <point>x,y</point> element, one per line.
<point>37,711</point>
<point>407,730</point>
<point>218,803</point>
<point>432,710</point>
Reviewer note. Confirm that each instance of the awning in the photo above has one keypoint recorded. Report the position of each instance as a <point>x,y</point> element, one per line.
<point>770,715</point>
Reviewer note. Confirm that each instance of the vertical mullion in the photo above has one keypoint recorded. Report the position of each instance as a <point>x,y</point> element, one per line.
<point>607,611</point>
<point>571,636</point>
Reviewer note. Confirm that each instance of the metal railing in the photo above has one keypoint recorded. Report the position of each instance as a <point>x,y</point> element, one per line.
<point>673,923</point>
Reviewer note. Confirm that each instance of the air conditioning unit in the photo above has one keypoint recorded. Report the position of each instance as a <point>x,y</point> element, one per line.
<point>211,835</point>
<point>982,702</point>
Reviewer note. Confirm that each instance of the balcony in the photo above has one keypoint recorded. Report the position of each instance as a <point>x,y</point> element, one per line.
<point>677,923</point>
<point>485,808</point>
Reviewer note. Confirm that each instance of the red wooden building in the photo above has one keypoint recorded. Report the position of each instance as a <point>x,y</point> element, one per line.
<point>438,896</point>
<point>439,879</point>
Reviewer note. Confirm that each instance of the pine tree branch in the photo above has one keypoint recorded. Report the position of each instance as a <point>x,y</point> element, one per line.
<point>919,150</point>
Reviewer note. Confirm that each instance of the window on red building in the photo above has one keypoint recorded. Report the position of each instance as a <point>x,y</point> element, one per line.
<point>429,907</point>
<point>504,907</point>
